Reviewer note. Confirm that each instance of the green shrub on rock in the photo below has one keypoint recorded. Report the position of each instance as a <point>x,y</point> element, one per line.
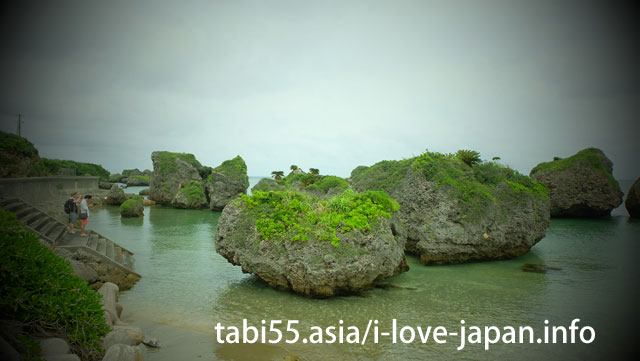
<point>469,157</point>
<point>40,291</point>
<point>132,207</point>
<point>294,216</point>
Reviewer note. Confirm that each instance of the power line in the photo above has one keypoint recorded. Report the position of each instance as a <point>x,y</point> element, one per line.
<point>20,122</point>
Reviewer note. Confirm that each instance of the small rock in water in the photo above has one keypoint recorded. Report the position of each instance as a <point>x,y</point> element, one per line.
<point>539,268</point>
<point>390,286</point>
<point>150,341</point>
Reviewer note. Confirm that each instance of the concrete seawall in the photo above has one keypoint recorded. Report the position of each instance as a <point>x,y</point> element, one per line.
<point>36,189</point>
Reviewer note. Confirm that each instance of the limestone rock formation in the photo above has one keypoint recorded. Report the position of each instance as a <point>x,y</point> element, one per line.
<point>632,203</point>
<point>296,258</point>
<point>226,182</point>
<point>115,196</point>
<point>133,207</point>
<point>105,185</point>
<point>452,213</point>
<point>581,185</point>
<point>172,171</point>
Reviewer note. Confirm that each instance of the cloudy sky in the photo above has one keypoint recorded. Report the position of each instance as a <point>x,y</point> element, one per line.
<point>324,84</point>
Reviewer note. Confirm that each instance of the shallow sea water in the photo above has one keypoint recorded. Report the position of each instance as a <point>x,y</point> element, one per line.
<point>187,288</point>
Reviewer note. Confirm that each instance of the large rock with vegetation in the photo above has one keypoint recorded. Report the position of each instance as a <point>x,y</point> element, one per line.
<point>132,207</point>
<point>226,182</point>
<point>453,212</point>
<point>18,157</point>
<point>115,196</point>
<point>632,203</point>
<point>312,246</point>
<point>135,177</point>
<point>138,180</point>
<point>172,172</point>
<point>581,185</point>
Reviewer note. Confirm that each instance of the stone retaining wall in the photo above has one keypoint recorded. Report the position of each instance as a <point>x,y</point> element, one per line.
<point>36,189</point>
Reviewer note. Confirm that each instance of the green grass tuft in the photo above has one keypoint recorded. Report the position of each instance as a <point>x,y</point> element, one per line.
<point>295,216</point>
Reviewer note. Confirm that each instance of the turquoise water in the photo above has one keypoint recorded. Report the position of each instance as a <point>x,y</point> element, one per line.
<point>186,284</point>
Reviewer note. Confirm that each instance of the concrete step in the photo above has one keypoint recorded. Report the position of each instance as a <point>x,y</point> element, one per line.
<point>45,226</point>
<point>4,202</point>
<point>102,245</point>
<point>110,250</point>
<point>39,221</point>
<point>21,212</point>
<point>118,256</point>
<point>92,242</point>
<point>58,235</point>
<point>13,206</point>
<point>30,217</point>
<point>127,260</point>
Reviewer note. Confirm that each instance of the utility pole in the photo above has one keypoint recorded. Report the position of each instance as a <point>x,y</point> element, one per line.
<point>20,125</point>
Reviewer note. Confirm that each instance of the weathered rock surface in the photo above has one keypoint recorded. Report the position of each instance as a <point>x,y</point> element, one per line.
<point>144,192</point>
<point>83,271</point>
<point>581,185</point>
<point>226,182</point>
<point>125,335</point>
<point>105,185</point>
<point>106,271</point>
<point>133,207</point>
<point>172,171</point>
<point>632,203</point>
<point>443,224</point>
<point>109,292</point>
<point>115,197</point>
<point>311,268</point>
<point>122,352</point>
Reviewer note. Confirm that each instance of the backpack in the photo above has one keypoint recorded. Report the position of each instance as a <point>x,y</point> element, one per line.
<point>69,206</point>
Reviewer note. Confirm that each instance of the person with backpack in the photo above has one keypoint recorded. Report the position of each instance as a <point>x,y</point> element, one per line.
<point>71,208</point>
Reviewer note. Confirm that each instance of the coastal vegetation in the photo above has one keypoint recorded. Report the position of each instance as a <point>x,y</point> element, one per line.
<point>166,161</point>
<point>294,216</point>
<point>53,166</point>
<point>277,174</point>
<point>194,192</point>
<point>41,293</point>
<point>19,158</point>
<point>473,185</point>
<point>13,144</point>
<point>314,182</point>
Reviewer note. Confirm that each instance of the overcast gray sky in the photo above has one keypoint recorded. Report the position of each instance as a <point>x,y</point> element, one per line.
<point>324,84</point>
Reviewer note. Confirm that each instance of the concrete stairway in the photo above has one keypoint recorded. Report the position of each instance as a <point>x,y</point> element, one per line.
<point>55,233</point>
